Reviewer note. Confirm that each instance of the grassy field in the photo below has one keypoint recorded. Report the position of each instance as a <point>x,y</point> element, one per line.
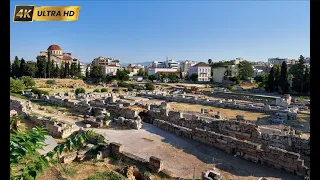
<point>17,95</point>
<point>226,113</point>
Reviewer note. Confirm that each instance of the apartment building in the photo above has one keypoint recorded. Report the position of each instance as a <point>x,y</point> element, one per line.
<point>152,71</point>
<point>203,71</point>
<point>134,69</point>
<point>279,61</point>
<point>109,66</point>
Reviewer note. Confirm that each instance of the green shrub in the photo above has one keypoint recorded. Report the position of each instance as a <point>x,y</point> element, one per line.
<point>96,138</point>
<point>16,85</point>
<point>80,91</point>
<point>104,90</point>
<point>107,175</point>
<point>39,91</point>
<point>107,118</point>
<point>51,82</point>
<point>28,81</point>
<point>96,90</point>
<point>149,86</point>
<point>229,87</point>
<point>115,90</point>
<point>130,89</point>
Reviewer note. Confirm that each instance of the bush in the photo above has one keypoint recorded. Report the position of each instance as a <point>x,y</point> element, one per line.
<point>130,89</point>
<point>104,90</point>
<point>107,118</point>
<point>39,91</point>
<point>108,175</point>
<point>28,81</point>
<point>80,91</point>
<point>96,90</point>
<point>115,90</point>
<point>51,82</point>
<point>149,86</point>
<point>96,138</point>
<point>229,87</point>
<point>16,85</point>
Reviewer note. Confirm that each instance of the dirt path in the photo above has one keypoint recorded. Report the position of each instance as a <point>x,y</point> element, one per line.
<point>182,156</point>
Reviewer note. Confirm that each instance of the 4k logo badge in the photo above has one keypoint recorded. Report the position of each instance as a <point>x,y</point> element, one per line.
<point>23,13</point>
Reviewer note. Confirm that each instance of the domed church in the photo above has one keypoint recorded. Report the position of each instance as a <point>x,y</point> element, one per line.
<point>56,55</point>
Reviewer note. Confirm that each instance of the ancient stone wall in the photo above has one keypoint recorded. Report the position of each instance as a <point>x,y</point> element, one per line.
<point>222,104</point>
<point>273,156</point>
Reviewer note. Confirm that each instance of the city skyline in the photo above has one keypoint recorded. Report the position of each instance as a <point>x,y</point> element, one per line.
<point>149,31</point>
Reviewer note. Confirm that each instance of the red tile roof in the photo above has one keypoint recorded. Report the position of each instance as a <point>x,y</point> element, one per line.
<point>54,47</point>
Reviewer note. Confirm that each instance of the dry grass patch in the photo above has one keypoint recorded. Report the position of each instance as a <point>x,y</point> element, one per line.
<point>226,113</point>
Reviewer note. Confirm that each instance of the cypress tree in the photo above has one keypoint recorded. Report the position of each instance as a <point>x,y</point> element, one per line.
<point>298,82</point>
<point>79,74</point>
<point>16,67</point>
<point>284,84</point>
<point>44,69</point>
<point>270,83</point>
<point>22,66</point>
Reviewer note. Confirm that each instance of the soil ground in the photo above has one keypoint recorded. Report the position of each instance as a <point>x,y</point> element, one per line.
<point>225,113</point>
<point>181,156</point>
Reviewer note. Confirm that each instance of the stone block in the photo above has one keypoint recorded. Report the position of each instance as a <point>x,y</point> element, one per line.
<point>68,157</point>
<point>155,164</point>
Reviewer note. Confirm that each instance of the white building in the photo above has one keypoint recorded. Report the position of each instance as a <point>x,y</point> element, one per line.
<point>109,70</point>
<point>168,63</point>
<point>203,71</point>
<point>224,73</point>
<point>237,61</point>
<point>83,67</point>
<point>279,61</point>
<point>152,71</point>
<point>101,61</point>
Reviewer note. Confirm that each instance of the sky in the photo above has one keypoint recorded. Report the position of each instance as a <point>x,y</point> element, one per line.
<point>140,31</point>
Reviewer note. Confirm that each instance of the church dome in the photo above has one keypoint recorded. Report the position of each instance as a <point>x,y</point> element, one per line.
<point>54,47</point>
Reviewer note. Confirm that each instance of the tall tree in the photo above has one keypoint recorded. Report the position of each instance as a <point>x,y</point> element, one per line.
<point>44,68</point>
<point>245,70</point>
<point>79,74</point>
<point>73,70</point>
<point>306,80</point>
<point>180,73</point>
<point>87,71</point>
<point>39,67</point>
<point>22,66</point>
<point>31,69</point>
<point>209,61</point>
<point>270,83</point>
<point>62,73</point>
<point>16,67</point>
<point>276,78</point>
<point>297,82</point>
<point>55,72</point>
<point>49,67</point>
<point>66,69</point>
<point>96,72</point>
<point>284,84</point>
